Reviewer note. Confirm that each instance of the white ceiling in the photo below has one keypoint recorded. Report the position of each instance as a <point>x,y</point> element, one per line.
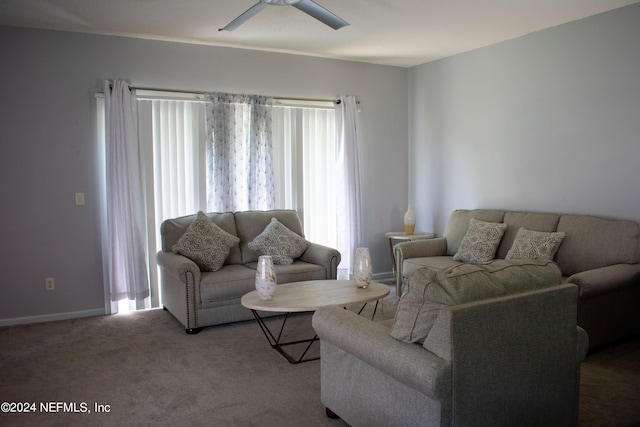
<point>393,32</point>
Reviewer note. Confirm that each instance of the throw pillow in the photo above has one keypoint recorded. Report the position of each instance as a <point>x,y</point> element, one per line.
<point>480,243</point>
<point>278,241</point>
<point>205,243</point>
<point>531,244</point>
<point>429,290</point>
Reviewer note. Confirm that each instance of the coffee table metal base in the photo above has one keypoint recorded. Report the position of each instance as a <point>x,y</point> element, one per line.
<point>279,346</point>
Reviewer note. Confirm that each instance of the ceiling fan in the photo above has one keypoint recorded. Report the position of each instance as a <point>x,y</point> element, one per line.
<point>307,6</point>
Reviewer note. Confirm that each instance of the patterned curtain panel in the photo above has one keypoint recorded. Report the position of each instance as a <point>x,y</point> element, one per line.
<point>239,153</point>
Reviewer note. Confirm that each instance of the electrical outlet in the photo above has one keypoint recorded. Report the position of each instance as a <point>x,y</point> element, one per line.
<point>79,199</point>
<point>49,284</point>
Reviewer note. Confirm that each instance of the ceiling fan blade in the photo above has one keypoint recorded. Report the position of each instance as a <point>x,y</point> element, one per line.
<point>252,11</point>
<point>321,14</point>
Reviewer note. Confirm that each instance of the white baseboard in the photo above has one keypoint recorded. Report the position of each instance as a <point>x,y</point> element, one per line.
<point>51,317</point>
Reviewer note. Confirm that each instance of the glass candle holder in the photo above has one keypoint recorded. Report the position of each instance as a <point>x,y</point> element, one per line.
<point>266,280</point>
<point>362,270</point>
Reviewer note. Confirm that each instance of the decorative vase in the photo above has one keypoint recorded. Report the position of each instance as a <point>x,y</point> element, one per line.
<point>362,271</point>
<point>409,221</point>
<point>266,280</point>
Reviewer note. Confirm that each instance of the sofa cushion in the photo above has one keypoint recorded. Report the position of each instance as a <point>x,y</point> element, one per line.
<point>593,242</point>
<point>430,290</point>
<point>481,241</point>
<point>515,220</point>
<point>205,243</point>
<point>531,244</point>
<point>233,281</point>
<point>297,272</point>
<point>278,241</point>
<point>228,283</point>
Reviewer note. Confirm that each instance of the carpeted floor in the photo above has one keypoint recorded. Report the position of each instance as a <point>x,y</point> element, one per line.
<point>610,386</point>
<point>144,370</point>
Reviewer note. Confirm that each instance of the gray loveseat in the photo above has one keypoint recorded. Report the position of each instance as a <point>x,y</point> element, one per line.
<point>204,298</point>
<point>513,360</point>
<point>598,255</point>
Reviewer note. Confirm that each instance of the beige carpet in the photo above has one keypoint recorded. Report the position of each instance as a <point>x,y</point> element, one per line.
<point>149,372</point>
<point>610,386</point>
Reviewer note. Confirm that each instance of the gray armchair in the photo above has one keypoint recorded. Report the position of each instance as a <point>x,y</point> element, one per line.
<point>506,361</point>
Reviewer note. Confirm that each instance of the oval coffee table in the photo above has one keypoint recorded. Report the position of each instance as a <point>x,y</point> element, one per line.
<point>308,296</point>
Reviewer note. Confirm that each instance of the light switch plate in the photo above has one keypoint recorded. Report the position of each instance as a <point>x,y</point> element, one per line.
<point>79,199</point>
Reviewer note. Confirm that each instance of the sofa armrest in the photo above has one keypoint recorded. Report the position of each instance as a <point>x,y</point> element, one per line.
<point>323,255</point>
<point>417,249</point>
<point>180,282</point>
<point>606,279</point>
<point>372,343</point>
<point>178,266</point>
<point>421,248</point>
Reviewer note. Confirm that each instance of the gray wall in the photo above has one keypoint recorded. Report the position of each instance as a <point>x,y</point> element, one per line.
<point>547,122</point>
<point>47,120</point>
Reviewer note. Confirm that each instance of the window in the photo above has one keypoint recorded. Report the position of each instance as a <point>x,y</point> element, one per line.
<point>169,145</point>
<point>173,136</point>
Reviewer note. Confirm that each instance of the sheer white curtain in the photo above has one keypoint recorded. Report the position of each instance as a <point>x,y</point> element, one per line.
<point>349,204</point>
<point>239,152</point>
<point>124,242</point>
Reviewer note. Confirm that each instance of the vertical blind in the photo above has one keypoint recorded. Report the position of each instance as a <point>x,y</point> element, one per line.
<point>304,160</point>
<point>174,140</point>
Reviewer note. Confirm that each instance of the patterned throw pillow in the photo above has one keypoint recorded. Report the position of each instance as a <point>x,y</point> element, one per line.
<point>480,243</point>
<point>531,244</point>
<point>278,241</point>
<point>205,243</point>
